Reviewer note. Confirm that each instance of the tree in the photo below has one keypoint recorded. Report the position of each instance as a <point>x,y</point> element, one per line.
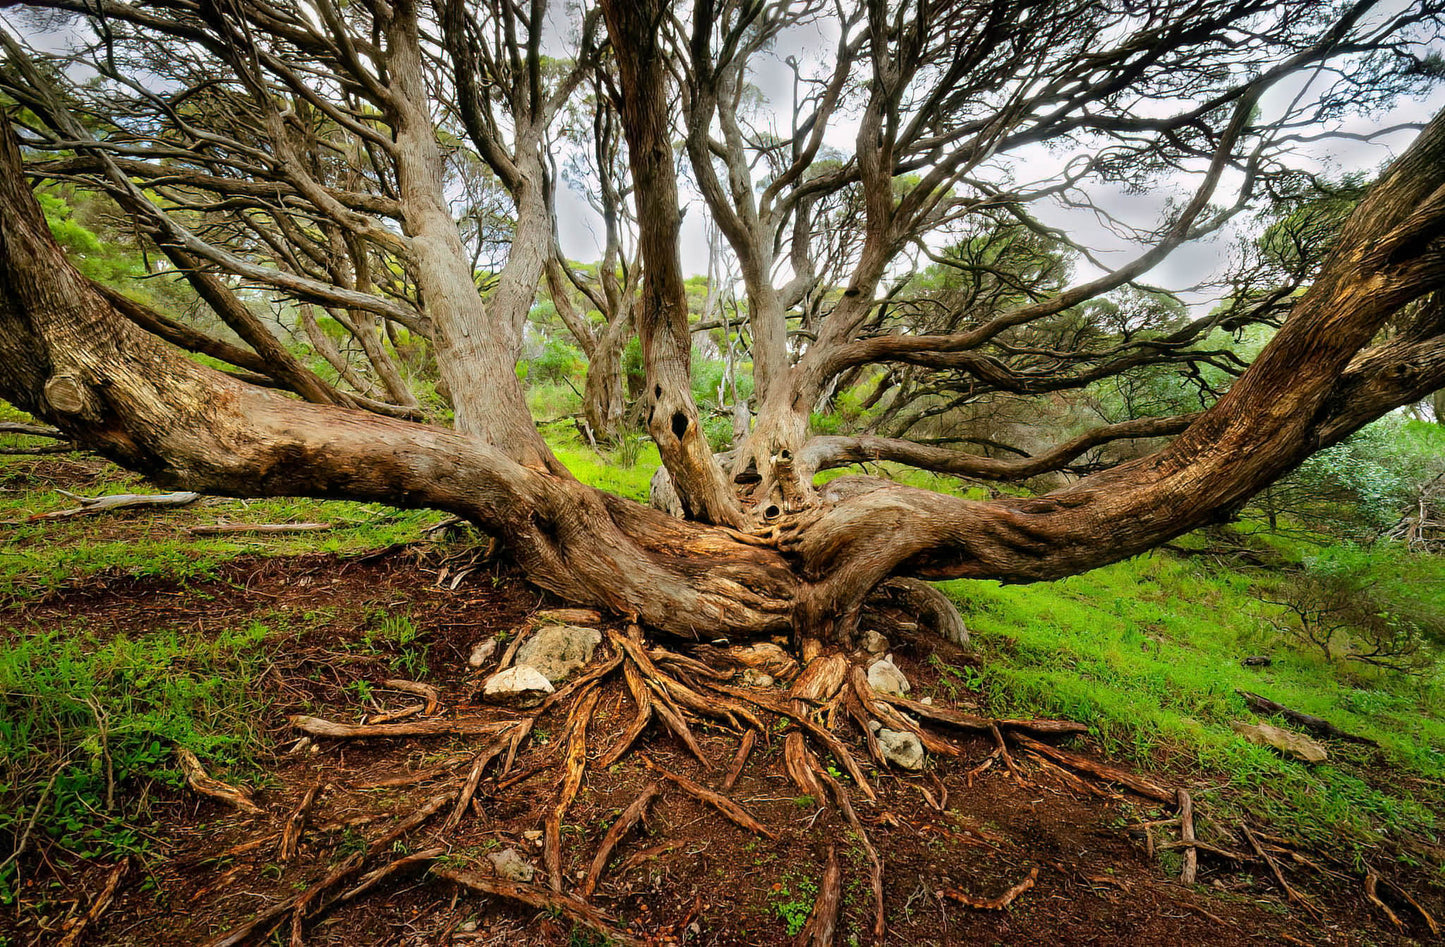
<point>938,91</point>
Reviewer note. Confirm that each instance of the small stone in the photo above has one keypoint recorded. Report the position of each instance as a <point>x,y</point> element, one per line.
<point>512,866</point>
<point>1257,661</point>
<point>516,685</point>
<point>752,677</point>
<point>900,748</point>
<point>928,701</point>
<point>482,651</point>
<point>1287,742</point>
<point>884,677</point>
<point>532,835</point>
<point>558,650</point>
<point>874,643</point>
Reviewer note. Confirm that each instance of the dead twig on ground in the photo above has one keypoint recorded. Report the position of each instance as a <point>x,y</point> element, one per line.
<point>90,506</point>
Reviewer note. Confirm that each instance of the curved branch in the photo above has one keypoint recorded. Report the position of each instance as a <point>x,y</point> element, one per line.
<point>823,453</point>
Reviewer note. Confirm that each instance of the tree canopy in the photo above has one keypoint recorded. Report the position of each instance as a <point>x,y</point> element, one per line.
<point>389,173</point>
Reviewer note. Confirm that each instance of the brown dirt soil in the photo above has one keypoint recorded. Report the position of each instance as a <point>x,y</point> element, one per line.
<point>686,875</point>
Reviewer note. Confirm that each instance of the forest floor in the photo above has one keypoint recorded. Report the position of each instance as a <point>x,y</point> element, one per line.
<point>127,635</point>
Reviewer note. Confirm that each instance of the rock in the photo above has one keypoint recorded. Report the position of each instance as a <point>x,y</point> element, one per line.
<point>512,866</point>
<point>884,677</point>
<point>1287,742</point>
<point>521,684</point>
<point>900,748</point>
<point>482,652</point>
<point>1257,661</point>
<point>558,650</point>
<point>533,835</point>
<point>874,643</point>
<point>767,658</point>
<point>752,677</point>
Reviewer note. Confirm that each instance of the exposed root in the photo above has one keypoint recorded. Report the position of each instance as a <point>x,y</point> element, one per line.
<point>296,824</point>
<point>76,930</point>
<point>574,764</point>
<point>1102,771</point>
<point>993,904</point>
<point>730,809</point>
<point>433,699</point>
<point>840,796</point>
<point>745,748</point>
<point>577,911</point>
<point>415,728</point>
<point>297,905</point>
<point>680,691</point>
<point>1004,755</point>
<point>1268,859</point>
<point>205,784</point>
<point>822,924</point>
<point>474,777</point>
<point>802,767</point>
<point>630,817</point>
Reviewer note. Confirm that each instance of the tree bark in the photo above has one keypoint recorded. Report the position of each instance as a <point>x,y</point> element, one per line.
<point>636,27</point>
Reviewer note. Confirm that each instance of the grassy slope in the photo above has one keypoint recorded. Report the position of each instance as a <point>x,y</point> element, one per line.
<point>1146,652</point>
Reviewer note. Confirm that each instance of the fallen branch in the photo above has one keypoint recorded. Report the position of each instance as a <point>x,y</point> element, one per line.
<point>416,728</point>
<point>995,904</point>
<point>205,784</point>
<point>1315,725</point>
<point>1138,784</point>
<point>734,812</point>
<point>579,912</point>
<point>630,817</point>
<point>119,501</point>
<point>31,430</point>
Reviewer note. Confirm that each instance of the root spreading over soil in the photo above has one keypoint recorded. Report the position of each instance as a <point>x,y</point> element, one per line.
<point>651,799</point>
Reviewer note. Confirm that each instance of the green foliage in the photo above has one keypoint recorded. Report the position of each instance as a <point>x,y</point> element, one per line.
<point>86,722</point>
<point>792,901</point>
<point>558,363</point>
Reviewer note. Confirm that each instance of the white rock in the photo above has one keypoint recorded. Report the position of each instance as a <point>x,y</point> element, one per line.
<point>902,749</point>
<point>884,677</point>
<point>520,684</point>
<point>512,866</point>
<point>482,651</point>
<point>558,650</point>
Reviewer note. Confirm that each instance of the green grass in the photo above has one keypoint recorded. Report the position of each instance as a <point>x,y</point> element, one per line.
<point>1147,652</point>
<point>86,724</point>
